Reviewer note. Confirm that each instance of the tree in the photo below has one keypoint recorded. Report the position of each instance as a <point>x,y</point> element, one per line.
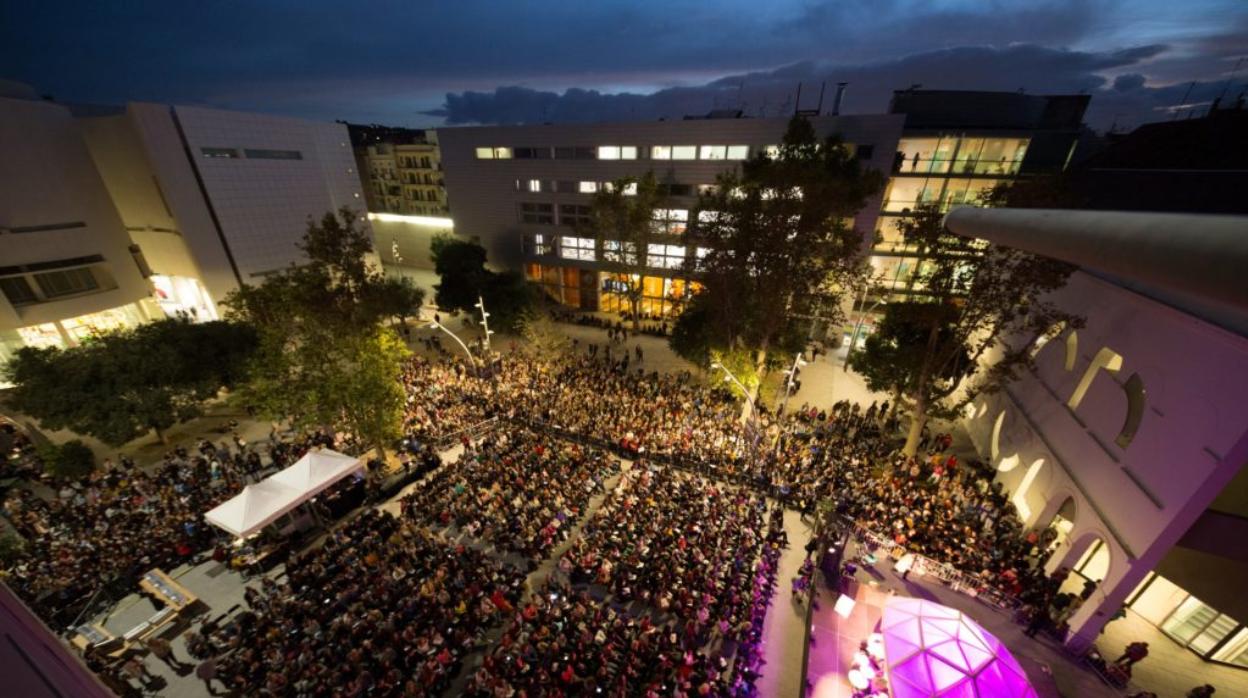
<point>119,385</point>
<point>970,298</point>
<point>465,281</point>
<point>326,357</point>
<point>778,248</point>
<point>622,219</point>
<point>70,460</point>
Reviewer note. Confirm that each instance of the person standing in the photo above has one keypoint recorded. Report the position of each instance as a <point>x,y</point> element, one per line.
<point>1201,691</point>
<point>164,652</point>
<point>1132,655</point>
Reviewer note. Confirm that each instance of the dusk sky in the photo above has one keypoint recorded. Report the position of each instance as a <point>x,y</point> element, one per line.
<point>473,61</point>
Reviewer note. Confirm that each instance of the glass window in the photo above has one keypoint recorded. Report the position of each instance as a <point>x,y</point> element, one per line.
<point>528,154</point>
<point>229,153</point>
<point>665,256</point>
<point>67,282</point>
<point>1235,651</point>
<point>502,153</point>
<point>630,189</point>
<point>588,187</point>
<point>535,185</point>
<point>537,213</point>
<point>738,152</point>
<point>485,153</point>
<point>713,152</point>
<point>577,248</point>
<point>628,152</point>
<point>617,251</point>
<point>772,152</point>
<point>261,154</point>
<point>608,152</point>
<point>670,221</point>
<point>18,290</point>
<point>661,152</point>
<point>684,152</point>
<point>573,215</point>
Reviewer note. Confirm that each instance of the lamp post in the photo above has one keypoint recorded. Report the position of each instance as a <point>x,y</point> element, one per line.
<point>434,324</point>
<point>749,401</point>
<point>798,362</point>
<point>485,323</point>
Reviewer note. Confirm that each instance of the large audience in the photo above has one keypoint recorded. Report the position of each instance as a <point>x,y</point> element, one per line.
<point>516,490</point>
<point>663,591</point>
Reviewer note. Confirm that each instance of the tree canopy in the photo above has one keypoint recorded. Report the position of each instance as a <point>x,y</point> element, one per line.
<point>774,247</point>
<point>120,385</point>
<point>326,358</point>
<point>464,278</point>
<point>622,220</point>
<point>969,298</point>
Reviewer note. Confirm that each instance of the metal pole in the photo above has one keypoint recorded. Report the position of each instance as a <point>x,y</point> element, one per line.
<point>437,325</point>
<point>485,323</point>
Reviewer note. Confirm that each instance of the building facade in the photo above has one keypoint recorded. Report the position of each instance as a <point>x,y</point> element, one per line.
<point>148,211</point>
<point>68,267</point>
<point>521,190</point>
<point>1130,437</point>
<point>400,169</point>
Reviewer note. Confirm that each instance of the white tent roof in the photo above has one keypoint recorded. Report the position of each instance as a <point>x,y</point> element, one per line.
<point>261,504</point>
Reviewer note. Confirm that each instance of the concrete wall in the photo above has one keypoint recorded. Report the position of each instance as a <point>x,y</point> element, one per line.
<point>484,199</point>
<point>1142,498</point>
<point>47,177</point>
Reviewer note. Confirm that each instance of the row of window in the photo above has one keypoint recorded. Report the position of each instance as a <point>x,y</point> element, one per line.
<point>622,152</point>
<point>251,154</point>
<point>666,221</point>
<point>658,255</point>
<point>50,284</point>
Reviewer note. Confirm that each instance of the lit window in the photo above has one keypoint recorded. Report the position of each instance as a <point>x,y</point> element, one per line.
<point>535,185</point>
<point>661,152</point>
<point>229,153</point>
<point>485,153</point>
<point>616,251</point>
<point>665,256</point>
<point>708,216</point>
<point>684,152</point>
<point>587,187</point>
<point>493,153</point>
<point>628,152</point>
<point>706,189</point>
<point>577,248</point>
<point>608,152</point>
<point>630,189</point>
<point>713,152</point>
<point>502,153</point>
<point>772,152</point>
<point>738,152</point>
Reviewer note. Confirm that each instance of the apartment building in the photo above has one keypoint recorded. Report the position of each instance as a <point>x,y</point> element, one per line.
<point>401,170</point>
<point>521,190</point>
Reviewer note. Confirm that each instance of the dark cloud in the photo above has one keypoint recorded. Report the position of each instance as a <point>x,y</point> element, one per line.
<point>1036,69</point>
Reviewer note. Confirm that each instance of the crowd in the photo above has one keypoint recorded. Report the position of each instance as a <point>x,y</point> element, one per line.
<point>517,490</point>
<point>382,608</point>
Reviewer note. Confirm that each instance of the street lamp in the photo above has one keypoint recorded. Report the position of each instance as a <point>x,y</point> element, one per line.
<point>485,324</point>
<point>798,363</point>
<point>435,325</point>
<point>752,425</point>
<point>729,378</point>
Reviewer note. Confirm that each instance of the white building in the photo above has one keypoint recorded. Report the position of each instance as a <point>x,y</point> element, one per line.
<point>1131,436</point>
<point>67,266</point>
<point>109,220</point>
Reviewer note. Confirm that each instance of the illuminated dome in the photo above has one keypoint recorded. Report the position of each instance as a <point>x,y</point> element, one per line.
<point>933,650</point>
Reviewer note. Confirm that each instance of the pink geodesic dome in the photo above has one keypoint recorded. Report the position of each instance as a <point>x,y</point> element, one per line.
<point>935,651</point>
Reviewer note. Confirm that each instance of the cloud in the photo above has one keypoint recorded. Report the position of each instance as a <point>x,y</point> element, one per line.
<point>1030,67</point>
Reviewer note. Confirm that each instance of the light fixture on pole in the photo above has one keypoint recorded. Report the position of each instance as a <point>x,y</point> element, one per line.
<point>485,323</point>
<point>435,325</point>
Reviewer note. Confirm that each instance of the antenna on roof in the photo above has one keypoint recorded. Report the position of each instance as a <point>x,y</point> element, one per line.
<point>822,87</point>
<point>797,107</point>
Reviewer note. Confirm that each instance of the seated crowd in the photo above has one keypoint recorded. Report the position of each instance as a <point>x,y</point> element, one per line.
<point>382,608</point>
<point>515,489</point>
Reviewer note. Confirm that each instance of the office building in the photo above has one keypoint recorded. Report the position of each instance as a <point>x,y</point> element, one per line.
<point>521,190</point>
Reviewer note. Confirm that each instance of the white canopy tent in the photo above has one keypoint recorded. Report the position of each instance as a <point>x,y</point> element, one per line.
<point>263,503</point>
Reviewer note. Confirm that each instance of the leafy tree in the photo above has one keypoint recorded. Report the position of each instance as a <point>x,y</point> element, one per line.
<point>622,220</point>
<point>544,338</point>
<point>460,265</point>
<point>970,298</point>
<point>780,247</point>
<point>120,385</point>
<point>70,460</point>
<point>11,548</point>
<point>465,281</point>
<point>325,356</point>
